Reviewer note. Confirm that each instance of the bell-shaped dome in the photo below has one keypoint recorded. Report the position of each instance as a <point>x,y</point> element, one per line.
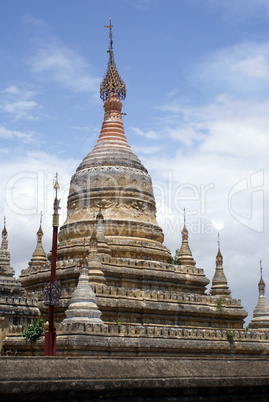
<point>113,178</point>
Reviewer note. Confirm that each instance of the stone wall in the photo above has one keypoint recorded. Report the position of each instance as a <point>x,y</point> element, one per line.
<point>75,339</point>
<point>3,331</point>
<point>17,310</point>
<point>133,378</point>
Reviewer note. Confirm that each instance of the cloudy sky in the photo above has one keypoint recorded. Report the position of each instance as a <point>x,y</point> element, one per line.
<point>197,76</point>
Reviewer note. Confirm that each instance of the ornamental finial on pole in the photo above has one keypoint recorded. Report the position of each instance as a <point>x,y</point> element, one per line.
<point>110,26</point>
<point>56,205</point>
<point>112,82</point>
<point>218,241</point>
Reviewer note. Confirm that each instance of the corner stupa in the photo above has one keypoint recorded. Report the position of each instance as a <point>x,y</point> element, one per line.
<point>185,255</point>
<point>39,256</point>
<point>6,271</point>
<point>219,282</point>
<point>260,318</point>
<point>9,285</point>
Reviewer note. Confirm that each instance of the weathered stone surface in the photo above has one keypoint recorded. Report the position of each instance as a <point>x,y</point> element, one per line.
<point>16,307</point>
<point>188,379</point>
<point>260,318</point>
<point>79,339</point>
<point>83,307</point>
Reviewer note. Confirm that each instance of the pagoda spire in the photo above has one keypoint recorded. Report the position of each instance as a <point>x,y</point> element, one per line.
<point>5,268</point>
<point>185,255</point>
<point>261,285</point>
<point>39,256</point>
<point>112,143</point>
<point>219,283</point>
<point>219,258</point>
<point>4,244</point>
<point>112,82</point>
<point>260,318</point>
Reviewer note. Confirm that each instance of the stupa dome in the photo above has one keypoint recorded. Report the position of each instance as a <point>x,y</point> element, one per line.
<point>113,178</point>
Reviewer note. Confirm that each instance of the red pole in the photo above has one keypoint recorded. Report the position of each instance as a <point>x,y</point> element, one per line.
<point>50,332</point>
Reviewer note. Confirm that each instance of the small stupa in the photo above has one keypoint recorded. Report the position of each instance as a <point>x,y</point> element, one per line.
<point>39,256</point>
<point>260,318</point>
<point>185,255</point>
<point>83,307</point>
<point>5,269</point>
<point>8,283</point>
<point>219,283</point>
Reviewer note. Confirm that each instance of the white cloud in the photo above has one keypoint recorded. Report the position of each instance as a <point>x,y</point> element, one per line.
<point>185,134</point>
<point>18,103</point>
<point>12,89</point>
<point>9,134</point>
<point>21,109</point>
<point>22,93</point>
<point>242,69</point>
<point>151,134</point>
<point>256,66</point>
<point>55,62</point>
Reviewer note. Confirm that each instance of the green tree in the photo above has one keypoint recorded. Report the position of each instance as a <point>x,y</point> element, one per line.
<point>34,330</point>
<point>175,259</point>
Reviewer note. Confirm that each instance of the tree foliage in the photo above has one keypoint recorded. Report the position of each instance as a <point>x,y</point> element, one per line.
<point>34,330</point>
<point>175,259</point>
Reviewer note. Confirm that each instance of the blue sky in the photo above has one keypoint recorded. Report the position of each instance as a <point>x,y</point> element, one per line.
<point>197,76</point>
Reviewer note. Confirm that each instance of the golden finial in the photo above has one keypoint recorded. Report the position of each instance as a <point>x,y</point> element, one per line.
<point>261,267</point>
<point>110,26</point>
<point>184,212</point>
<point>112,82</point>
<point>56,183</point>
<point>56,205</point>
<point>41,214</point>
<point>218,241</point>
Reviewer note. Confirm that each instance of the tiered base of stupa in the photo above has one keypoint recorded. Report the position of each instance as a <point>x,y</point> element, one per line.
<point>142,292</point>
<point>148,308</point>
<point>80,339</point>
